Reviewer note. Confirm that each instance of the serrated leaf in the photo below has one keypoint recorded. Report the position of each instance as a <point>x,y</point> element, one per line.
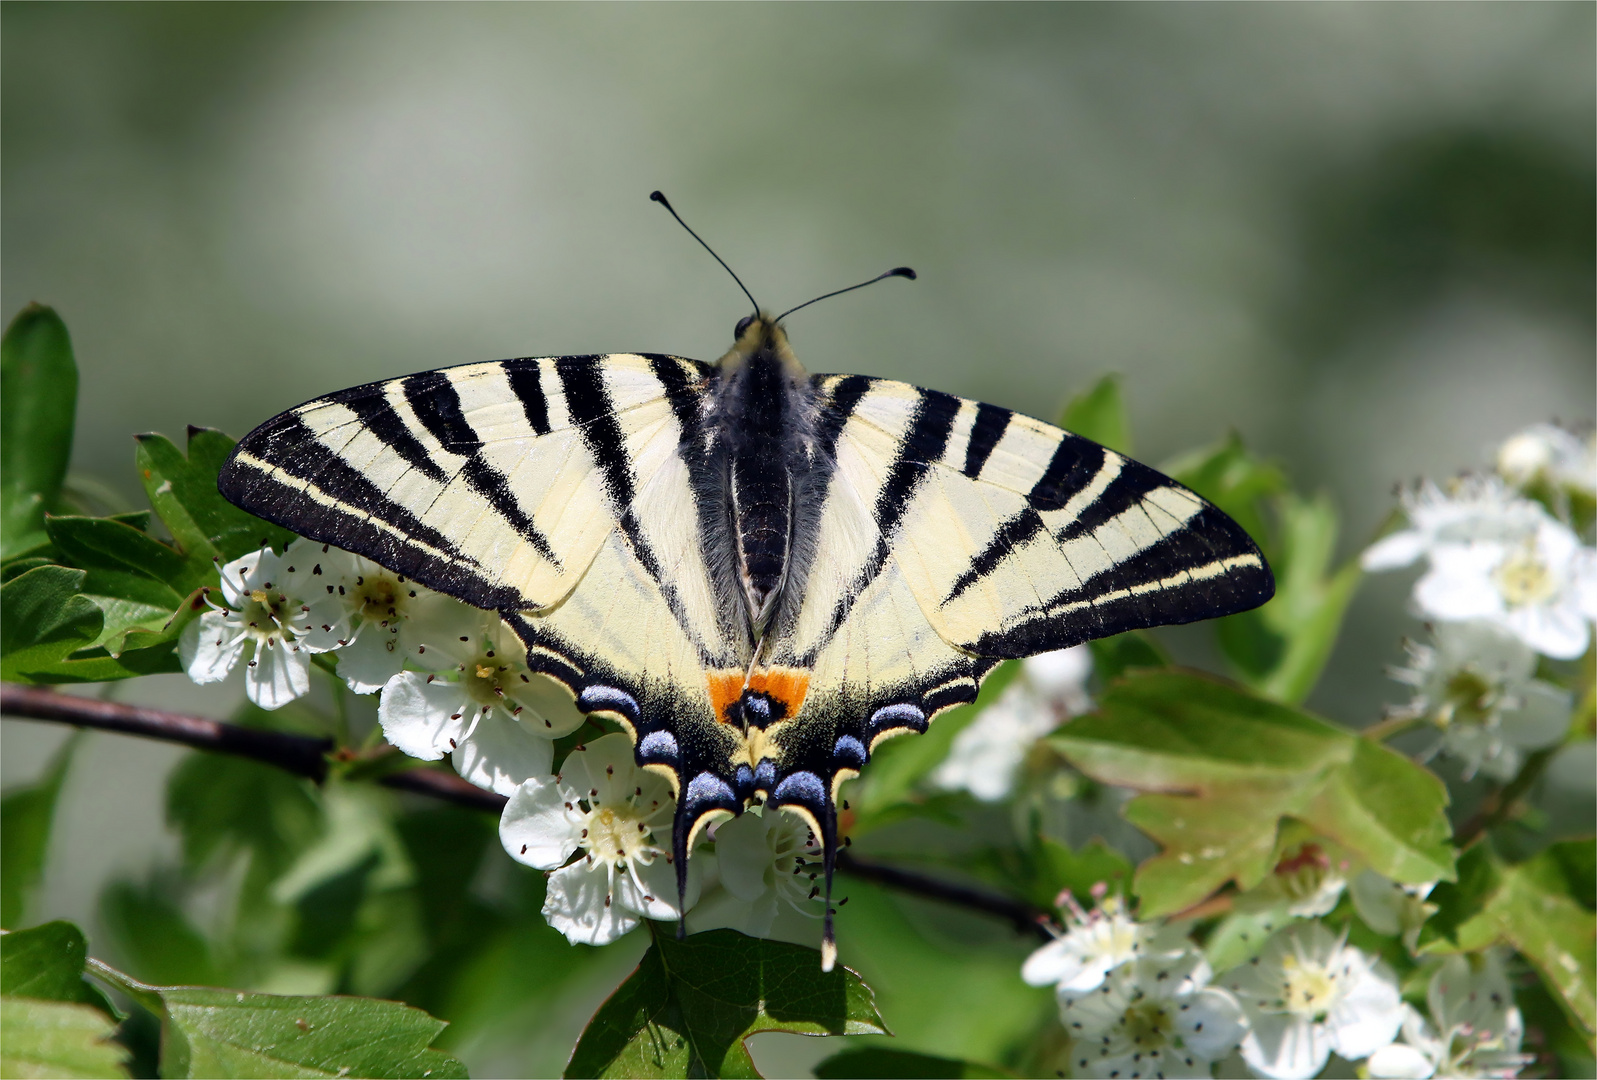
<point>46,962</point>
<point>1528,906</point>
<point>1222,767</point>
<point>57,1039</point>
<point>228,1033</point>
<point>26,815</point>
<point>45,620</point>
<point>690,1005</point>
<point>183,491</point>
<point>1099,414</point>
<point>105,544</point>
<point>881,1062</point>
<point>38,404</point>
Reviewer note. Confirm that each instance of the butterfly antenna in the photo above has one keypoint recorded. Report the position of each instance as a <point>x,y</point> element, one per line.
<point>661,199</point>
<point>897,271</point>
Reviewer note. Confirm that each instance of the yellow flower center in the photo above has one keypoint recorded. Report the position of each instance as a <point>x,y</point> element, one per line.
<point>1468,698</point>
<point>484,672</point>
<point>1523,578</point>
<point>380,598</point>
<point>1310,988</point>
<point>258,595</point>
<point>1148,1025</point>
<point>613,834</point>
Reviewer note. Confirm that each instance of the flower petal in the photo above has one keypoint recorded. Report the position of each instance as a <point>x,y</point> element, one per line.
<point>368,662</point>
<point>552,709</point>
<point>501,753</point>
<point>1400,1062</point>
<point>1054,963</point>
<point>744,856</point>
<point>278,675</point>
<point>579,905</point>
<point>651,890</point>
<point>1368,1016</point>
<point>211,646</point>
<point>1393,552</point>
<point>537,828</point>
<point>1283,1046</point>
<point>424,719</point>
<point>605,766</point>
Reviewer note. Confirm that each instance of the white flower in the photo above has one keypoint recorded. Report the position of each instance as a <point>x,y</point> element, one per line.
<point>985,756</point>
<point>1541,586</point>
<point>1096,943</point>
<point>276,614</point>
<point>1477,1028</point>
<point>481,705</point>
<point>766,858</point>
<point>1151,1017</point>
<point>1308,994</point>
<point>1305,883</point>
<point>1475,686</point>
<point>1547,453</point>
<point>616,819</point>
<point>1391,909</point>
<point>1472,508</point>
<point>394,619</point>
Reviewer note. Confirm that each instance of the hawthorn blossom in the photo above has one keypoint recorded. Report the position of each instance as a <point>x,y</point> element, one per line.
<point>394,620</point>
<point>768,858</point>
<point>1095,943</point>
<point>1541,586</point>
<point>1154,1016</point>
<point>480,703</point>
<point>1391,908</point>
<point>1308,994</point>
<point>1549,454</point>
<point>1475,685</point>
<point>615,818</point>
<point>274,614</point>
<point>1472,508</point>
<point>1477,1028</point>
<point>986,755</point>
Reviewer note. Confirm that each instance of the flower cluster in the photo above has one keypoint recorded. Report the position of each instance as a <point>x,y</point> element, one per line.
<point>454,680</point>
<point>1139,999</point>
<point>1508,579</point>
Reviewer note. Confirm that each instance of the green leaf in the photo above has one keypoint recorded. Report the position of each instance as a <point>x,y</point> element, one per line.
<point>228,1033</point>
<point>183,492</point>
<point>1310,599</point>
<point>1530,907</point>
<point>898,764</point>
<point>1234,480</point>
<point>45,620</point>
<point>154,937</point>
<point>879,1061</point>
<point>690,1005</point>
<point>46,962</point>
<point>57,1039</point>
<point>38,402</point>
<point>25,818</point>
<point>1079,871</point>
<point>1223,766</point>
<point>1113,656</point>
<point>1099,414</point>
<point>109,545</point>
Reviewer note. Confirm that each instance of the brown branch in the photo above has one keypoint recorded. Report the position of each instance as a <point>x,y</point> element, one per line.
<point>298,754</point>
<point>1502,804</point>
<point>308,757</point>
<point>1026,919</point>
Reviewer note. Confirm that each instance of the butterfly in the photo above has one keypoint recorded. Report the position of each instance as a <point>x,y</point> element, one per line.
<point>759,573</point>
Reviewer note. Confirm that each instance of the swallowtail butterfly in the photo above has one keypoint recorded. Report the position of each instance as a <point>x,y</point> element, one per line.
<point>758,572</point>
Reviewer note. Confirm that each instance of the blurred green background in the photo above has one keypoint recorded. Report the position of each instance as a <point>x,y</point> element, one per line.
<point>1361,235</point>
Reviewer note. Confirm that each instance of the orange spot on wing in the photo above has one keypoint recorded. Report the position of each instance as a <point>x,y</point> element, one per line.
<point>725,688</point>
<point>787,685</point>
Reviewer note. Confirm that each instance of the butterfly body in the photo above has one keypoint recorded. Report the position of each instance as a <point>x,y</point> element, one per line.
<point>759,572</point>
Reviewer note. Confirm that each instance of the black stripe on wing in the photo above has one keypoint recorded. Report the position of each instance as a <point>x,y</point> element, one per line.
<point>350,512</point>
<point>436,402</point>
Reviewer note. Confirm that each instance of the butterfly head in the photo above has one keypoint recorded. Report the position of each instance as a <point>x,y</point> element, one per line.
<point>760,338</point>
